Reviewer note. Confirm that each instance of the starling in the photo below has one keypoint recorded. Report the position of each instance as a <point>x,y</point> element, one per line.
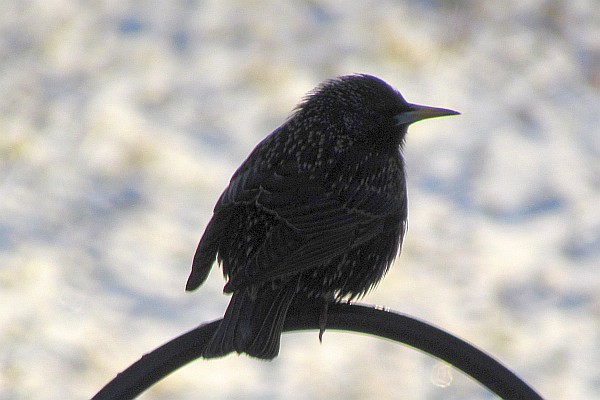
<point>317,211</point>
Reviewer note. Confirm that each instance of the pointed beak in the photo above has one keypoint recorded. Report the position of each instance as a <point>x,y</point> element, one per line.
<point>418,113</point>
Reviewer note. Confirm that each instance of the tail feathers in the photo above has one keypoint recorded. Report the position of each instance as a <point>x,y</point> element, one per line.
<point>253,326</point>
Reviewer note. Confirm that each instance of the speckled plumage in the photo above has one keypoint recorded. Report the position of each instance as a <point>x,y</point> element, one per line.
<point>318,210</point>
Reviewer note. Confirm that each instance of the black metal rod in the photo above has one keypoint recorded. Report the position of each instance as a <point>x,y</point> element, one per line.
<point>350,317</point>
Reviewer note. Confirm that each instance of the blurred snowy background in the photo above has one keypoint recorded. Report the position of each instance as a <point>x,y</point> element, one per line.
<point>122,121</point>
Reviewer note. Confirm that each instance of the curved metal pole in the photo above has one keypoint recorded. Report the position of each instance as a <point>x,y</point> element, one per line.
<point>351,317</point>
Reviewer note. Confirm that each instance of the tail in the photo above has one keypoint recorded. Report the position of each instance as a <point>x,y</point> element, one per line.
<point>253,325</point>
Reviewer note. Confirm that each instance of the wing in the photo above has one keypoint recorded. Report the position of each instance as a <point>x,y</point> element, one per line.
<point>206,252</point>
<point>316,222</point>
<point>239,189</point>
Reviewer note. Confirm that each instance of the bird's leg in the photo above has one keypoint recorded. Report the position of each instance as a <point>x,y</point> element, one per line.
<point>327,298</point>
<point>323,320</point>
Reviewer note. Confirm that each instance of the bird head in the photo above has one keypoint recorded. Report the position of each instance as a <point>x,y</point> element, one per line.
<point>366,109</point>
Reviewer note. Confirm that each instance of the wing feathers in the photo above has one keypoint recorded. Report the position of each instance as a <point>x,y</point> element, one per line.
<point>317,223</point>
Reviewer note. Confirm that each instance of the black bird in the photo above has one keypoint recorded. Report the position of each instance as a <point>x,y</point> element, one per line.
<point>317,211</point>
